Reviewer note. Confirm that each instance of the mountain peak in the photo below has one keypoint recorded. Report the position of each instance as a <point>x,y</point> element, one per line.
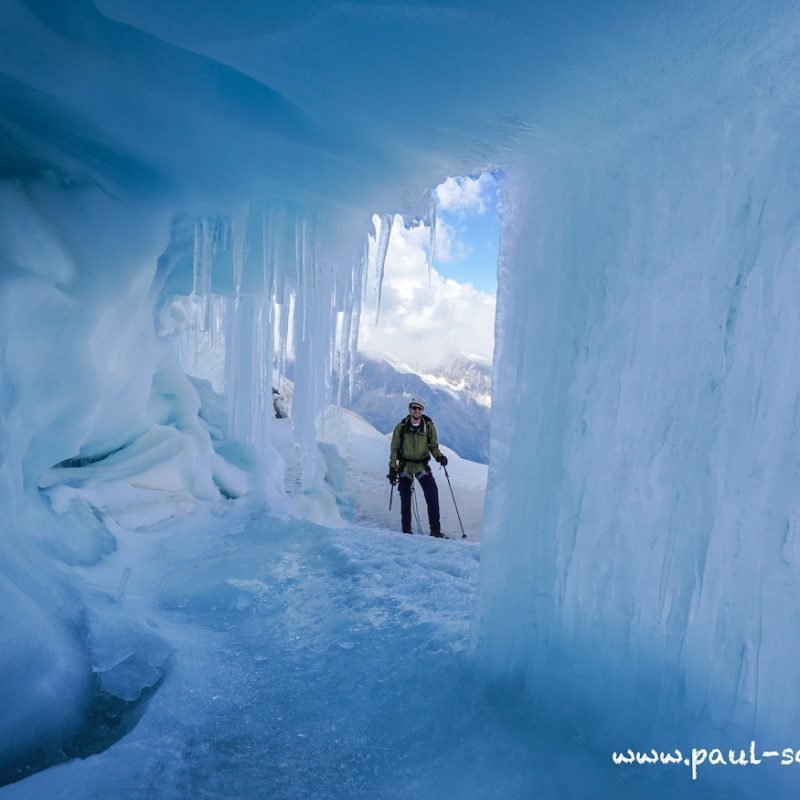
<point>458,399</point>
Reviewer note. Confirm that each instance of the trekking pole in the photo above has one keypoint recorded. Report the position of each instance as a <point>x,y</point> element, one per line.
<point>416,509</point>
<point>463,535</point>
<point>391,495</point>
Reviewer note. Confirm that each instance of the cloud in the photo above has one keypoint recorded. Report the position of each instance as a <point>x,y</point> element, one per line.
<point>449,247</point>
<point>464,196</point>
<point>424,325</point>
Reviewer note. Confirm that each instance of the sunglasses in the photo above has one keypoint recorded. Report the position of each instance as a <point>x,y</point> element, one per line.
<point>416,408</point>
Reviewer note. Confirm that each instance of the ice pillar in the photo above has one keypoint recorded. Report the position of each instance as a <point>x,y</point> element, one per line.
<point>640,570</point>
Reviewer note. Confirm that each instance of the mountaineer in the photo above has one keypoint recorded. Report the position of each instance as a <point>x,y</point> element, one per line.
<point>413,442</point>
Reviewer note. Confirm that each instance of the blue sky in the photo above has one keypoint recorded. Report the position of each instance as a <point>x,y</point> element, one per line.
<point>425,321</point>
<point>477,229</point>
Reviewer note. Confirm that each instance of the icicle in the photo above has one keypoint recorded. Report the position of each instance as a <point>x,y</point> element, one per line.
<point>202,268</point>
<point>203,285</point>
<point>232,363</point>
<point>344,341</point>
<point>359,291</point>
<point>342,306</point>
<point>238,235</point>
<point>364,261</point>
<point>432,234</point>
<point>286,314</point>
<point>248,340</point>
<point>285,258</point>
<point>266,326</point>
<point>267,255</point>
<point>269,310</point>
<point>209,337</point>
<point>222,234</point>
<point>217,322</point>
<point>300,297</point>
<point>333,363</point>
<point>197,265</point>
<point>380,256</point>
<point>303,401</point>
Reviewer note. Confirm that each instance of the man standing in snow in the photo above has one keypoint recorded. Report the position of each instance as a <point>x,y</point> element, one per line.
<point>413,442</point>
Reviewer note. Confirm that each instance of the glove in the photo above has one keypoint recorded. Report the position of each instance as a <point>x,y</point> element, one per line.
<point>392,476</point>
<point>442,460</point>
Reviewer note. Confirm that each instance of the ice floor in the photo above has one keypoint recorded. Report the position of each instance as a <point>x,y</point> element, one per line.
<point>310,662</point>
<point>313,661</point>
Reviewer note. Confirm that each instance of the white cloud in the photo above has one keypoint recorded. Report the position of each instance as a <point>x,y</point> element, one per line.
<point>461,195</point>
<point>424,325</point>
<point>449,247</point>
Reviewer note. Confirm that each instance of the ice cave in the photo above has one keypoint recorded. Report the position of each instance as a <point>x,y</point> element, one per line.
<point>185,610</point>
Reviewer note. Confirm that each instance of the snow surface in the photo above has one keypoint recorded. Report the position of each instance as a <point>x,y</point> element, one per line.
<point>638,580</point>
<point>307,662</point>
<point>298,661</point>
<point>366,453</point>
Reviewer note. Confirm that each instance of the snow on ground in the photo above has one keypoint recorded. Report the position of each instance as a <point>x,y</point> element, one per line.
<point>312,662</point>
<point>366,452</point>
<point>303,661</point>
<point>283,658</point>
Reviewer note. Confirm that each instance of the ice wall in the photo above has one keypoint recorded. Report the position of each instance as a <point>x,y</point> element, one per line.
<point>640,571</point>
<point>77,362</point>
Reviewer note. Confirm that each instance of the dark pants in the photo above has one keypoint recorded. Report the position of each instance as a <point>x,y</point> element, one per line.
<point>428,485</point>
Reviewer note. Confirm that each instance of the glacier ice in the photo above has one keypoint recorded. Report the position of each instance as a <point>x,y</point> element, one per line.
<point>382,247</point>
<point>432,239</point>
<point>638,573</point>
<point>645,342</point>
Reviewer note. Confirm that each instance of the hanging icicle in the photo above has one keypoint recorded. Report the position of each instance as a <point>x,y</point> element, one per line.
<point>344,339</point>
<point>197,262</point>
<point>202,267</point>
<point>431,234</point>
<point>359,292</point>
<point>265,291</point>
<point>380,256</point>
<point>239,247</point>
<point>364,261</point>
<point>267,251</point>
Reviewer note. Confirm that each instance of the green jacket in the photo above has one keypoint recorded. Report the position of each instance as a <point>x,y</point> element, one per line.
<point>417,445</point>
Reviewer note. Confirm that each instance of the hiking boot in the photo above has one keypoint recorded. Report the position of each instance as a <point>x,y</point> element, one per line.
<point>438,534</point>
<point>408,532</point>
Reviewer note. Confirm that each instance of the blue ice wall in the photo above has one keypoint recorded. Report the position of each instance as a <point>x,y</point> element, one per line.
<point>640,569</point>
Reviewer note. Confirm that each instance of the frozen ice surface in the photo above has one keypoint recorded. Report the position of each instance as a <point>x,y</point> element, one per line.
<point>315,663</point>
